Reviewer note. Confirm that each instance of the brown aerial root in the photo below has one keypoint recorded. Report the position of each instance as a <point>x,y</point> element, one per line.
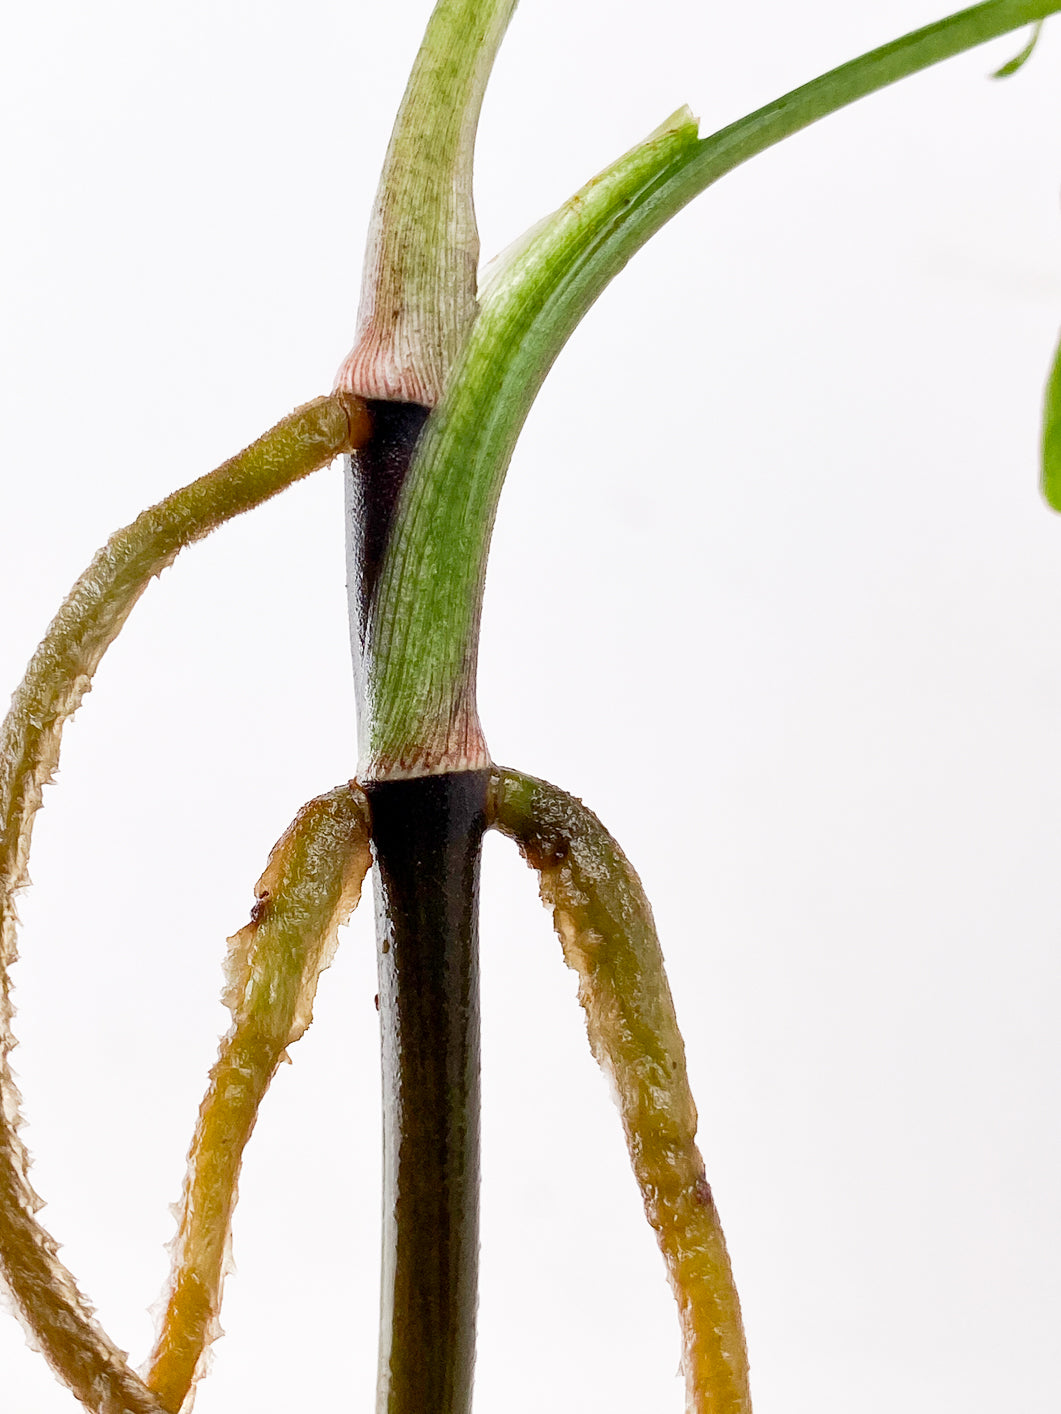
<point>309,888</point>
<point>608,937</point>
<point>58,1319</point>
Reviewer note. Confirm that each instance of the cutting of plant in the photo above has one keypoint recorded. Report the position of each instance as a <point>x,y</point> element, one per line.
<point>447,358</point>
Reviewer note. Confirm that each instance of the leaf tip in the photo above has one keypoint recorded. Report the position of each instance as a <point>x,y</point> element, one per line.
<point>1019,60</point>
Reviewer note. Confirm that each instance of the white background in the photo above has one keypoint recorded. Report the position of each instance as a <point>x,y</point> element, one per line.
<point>772,590</point>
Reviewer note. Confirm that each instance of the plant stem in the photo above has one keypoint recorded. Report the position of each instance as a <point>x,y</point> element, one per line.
<point>422,256</point>
<point>430,589</point>
<point>427,835</point>
<point>418,303</point>
<point>374,478</point>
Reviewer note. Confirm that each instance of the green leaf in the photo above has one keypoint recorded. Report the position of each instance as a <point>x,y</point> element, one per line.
<point>1019,60</point>
<point>1052,435</point>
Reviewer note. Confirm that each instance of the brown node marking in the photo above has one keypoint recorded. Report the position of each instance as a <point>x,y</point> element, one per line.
<point>358,419</point>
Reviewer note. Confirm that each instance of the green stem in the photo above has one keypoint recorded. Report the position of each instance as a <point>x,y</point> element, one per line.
<point>422,257</point>
<point>56,680</point>
<point>418,304</point>
<point>426,614</point>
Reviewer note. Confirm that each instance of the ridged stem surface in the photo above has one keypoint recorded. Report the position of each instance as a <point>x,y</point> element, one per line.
<point>422,256</point>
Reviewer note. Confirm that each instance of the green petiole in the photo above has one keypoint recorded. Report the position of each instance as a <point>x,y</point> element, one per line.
<point>418,292</point>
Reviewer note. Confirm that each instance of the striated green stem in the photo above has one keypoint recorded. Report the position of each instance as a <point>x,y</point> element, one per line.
<point>58,676</point>
<point>422,258</point>
<point>418,304</point>
<point>310,887</point>
<point>426,614</point>
<point>608,936</point>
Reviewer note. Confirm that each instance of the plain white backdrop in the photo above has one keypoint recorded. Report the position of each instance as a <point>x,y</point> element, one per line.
<point>772,590</point>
